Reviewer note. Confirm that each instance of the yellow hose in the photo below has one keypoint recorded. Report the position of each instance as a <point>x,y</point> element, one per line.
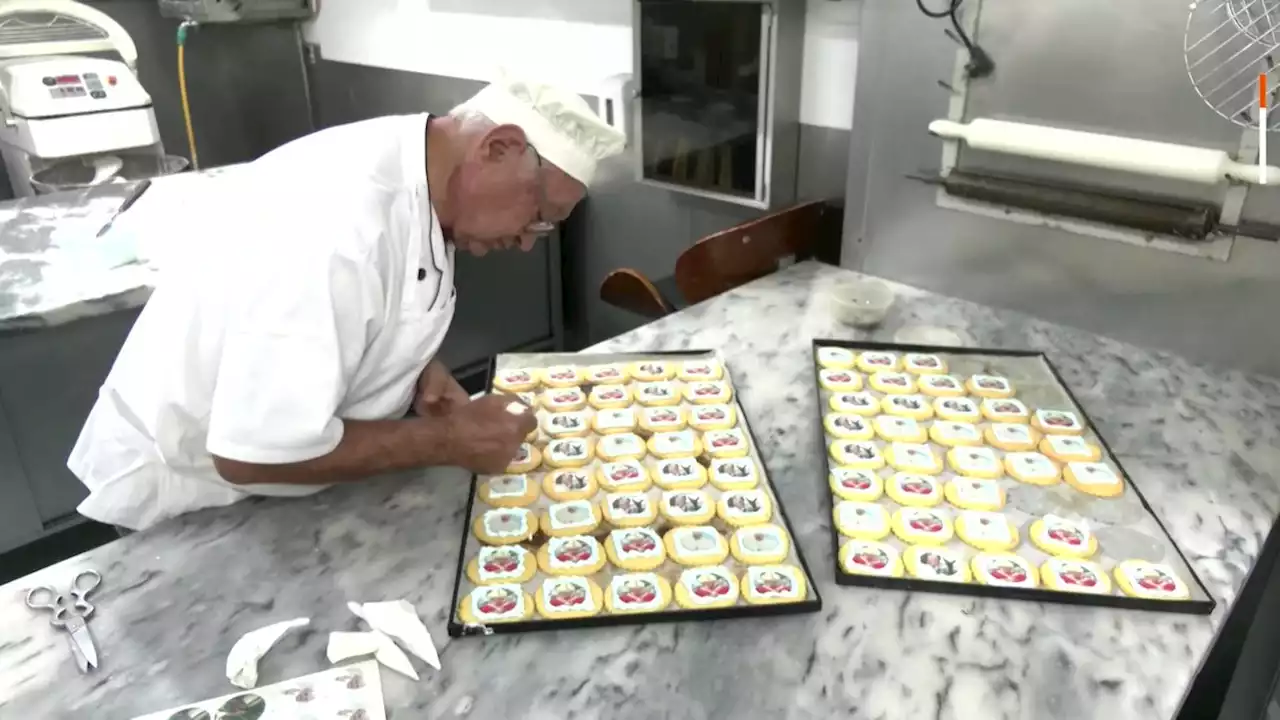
<point>186,106</point>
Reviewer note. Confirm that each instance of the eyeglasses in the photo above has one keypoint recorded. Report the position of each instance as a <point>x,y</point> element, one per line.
<point>540,226</point>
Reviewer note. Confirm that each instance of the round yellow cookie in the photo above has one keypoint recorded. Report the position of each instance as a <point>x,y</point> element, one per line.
<point>855,403</point>
<point>635,549</point>
<point>835,358</point>
<point>571,452</point>
<point>663,419</point>
<point>567,597</point>
<point>940,385</point>
<point>861,520</point>
<point>872,362</point>
<point>699,371</point>
<point>679,474</point>
<point>955,434</point>
<point>957,409</point>
<point>621,446</point>
<point>975,494</point>
<point>847,426</point>
<point>566,424</point>
<point>1057,422</point>
<point>725,443</point>
<point>562,376</point>
<point>652,371</point>
<point>930,562</point>
<point>899,429</point>
<point>1032,468</point>
<point>687,507</point>
<point>741,508</point>
<point>569,484</point>
<point>979,462</point>
<point>516,380</point>
<point>501,564</point>
<point>508,491</point>
<point>760,545</point>
<point>628,510</point>
<point>608,375</point>
<point>505,526</point>
<point>1005,410</point>
<point>1000,569</point>
<point>695,545</point>
<point>839,380</point>
<point>989,531</point>
<point>914,490</point>
<point>609,396</point>
<point>706,587</point>
<point>572,555</point>
<point>658,394</point>
<point>681,444</point>
<point>1094,478</point>
<point>915,407</point>
<point>913,458</point>
<point>851,484</point>
<point>492,604</point>
<point>892,383</point>
<point>924,364</point>
<point>1152,581</point>
<point>857,454</point>
<point>708,392</point>
<point>712,417</point>
<point>922,526</point>
<point>868,557</point>
<point>1070,575</point>
<point>990,386</point>
<point>734,474</point>
<point>1061,537</point>
<point>527,458</point>
<point>610,422</point>
<point>563,399</point>
<point>1011,437</point>
<point>623,476</point>
<point>635,593</point>
<point>576,517</point>
<point>1068,448</point>
<point>773,585</point>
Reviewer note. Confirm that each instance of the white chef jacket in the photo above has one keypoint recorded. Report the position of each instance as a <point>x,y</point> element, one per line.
<point>314,286</point>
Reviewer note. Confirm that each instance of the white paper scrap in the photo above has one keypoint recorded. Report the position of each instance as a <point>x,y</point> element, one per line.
<point>242,661</point>
<point>398,619</point>
<point>346,645</point>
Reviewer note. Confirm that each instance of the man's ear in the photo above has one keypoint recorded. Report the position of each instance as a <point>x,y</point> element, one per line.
<point>503,141</point>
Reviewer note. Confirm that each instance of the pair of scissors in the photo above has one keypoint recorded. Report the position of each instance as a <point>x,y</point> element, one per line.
<point>71,614</point>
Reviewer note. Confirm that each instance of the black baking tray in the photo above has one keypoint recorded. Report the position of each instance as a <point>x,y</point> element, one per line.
<point>1187,607</point>
<point>809,605</point>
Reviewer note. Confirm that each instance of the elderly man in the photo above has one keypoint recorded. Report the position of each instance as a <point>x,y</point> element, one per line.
<point>283,350</point>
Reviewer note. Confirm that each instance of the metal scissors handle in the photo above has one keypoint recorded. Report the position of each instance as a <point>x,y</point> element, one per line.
<point>70,614</point>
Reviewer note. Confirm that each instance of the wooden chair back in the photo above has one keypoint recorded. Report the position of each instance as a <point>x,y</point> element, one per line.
<point>628,289</point>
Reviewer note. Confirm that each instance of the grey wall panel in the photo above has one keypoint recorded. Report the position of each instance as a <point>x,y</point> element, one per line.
<point>19,519</point>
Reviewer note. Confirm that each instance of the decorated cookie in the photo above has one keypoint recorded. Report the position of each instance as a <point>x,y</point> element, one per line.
<point>979,462</point>
<point>609,396</point>
<point>899,429</point>
<point>922,364</point>
<point>623,476</point>
<point>773,584</point>
<point>491,604</point>
<point>872,362</point>
<point>955,434</point>
<point>699,371</point>
<point>516,380</point>
<point>642,592</point>
<point>564,399</point>
<point>1094,478</point>
<point>706,587</point>
<point>957,409</point>
<point>930,562</point>
<point>681,444</point>
<point>990,386</point>
<point>635,549</point>
<point>975,494</point>
<point>712,417</point>
<point>1069,448</point>
<point>1153,581</point>
<point>913,458</point>
<point>922,526</point>
<point>861,520</point>
<point>835,358</point>
<point>696,545</point>
<point>562,598</point>
<point>562,376</point>
<point>860,454</point>
<point>760,545</point>
<point>710,392</point>
<point>508,491</point>
<point>621,446</point>
<point>652,371</point>
<point>572,555</point>
<point>663,419</point>
<point>501,564</point>
<point>893,383</point>
<point>657,394</point>
<point>679,474</point>
<point>687,507</point>
<point>990,531</point>
<point>734,474</point>
<point>527,458</point>
<point>572,452</point>
<point>867,557</point>
<point>628,509</point>
<point>1005,410</point>
<point>1003,570</point>
<point>609,422</point>
<point>741,508</point>
<point>910,406</point>
<point>566,424</point>
<point>852,484</point>
<point>1011,437</point>
<point>575,517</point>
<point>569,484</point>
<point>1057,422</point>
<point>1062,537</point>
<point>940,385</point>
<point>1032,468</point>
<point>847,426</point>
<point>725,443</point>
<point>914,490</point>
<point>505,526</point>
<point>1069,575</point>
<point>608,375</point>
<point>839,380</point>
<point>856,403</point>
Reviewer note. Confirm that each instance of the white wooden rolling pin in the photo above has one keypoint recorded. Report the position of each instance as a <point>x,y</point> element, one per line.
<point>1178,162</point>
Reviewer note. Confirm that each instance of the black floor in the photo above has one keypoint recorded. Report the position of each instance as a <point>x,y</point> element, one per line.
<point>55,548</point>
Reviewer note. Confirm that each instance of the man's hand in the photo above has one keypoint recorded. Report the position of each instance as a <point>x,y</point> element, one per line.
<point>484,436</point>
<point>438,392</point>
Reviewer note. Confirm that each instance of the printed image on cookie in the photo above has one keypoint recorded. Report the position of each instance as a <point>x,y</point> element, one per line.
<point>892,383</point>
<point>975,494</point>
<point>1079,576</point>
<point>855,403</point>
<point>1095,479</point>
<point>861,520</point>
<point>569,484</point>
<point>955,434</point>
<point>1069,448</point>
<point>990,386</point>
<point>859,485</point>
<point>681,444</point>
<point>1032,468</point>
<point>628,509</point>
<point>867,557</point>
<point>871,362</point>
<point>508,491</point>
<point>936,563</point>
<point>621,446</point>
<point>1011,437</point>
<point>923,364</point>
<point>491,604</point>
<point>561,376</point>
<point>859,454</point>
<point>652,371</point>
<point>571,555</point>
<point>657,394</point>
<point>734,474</point>
<point>527,458</point>
<point>706,587</point>
<point>1006,410</point>
<point>504,526</point>
<point>725,443</point>
<point>679,474</point>
<point>528,398</point>
<point>913,458</point>
<point>1153,581</point>
<point>957,409</point>
<point>922,526</point>
<point>501,564</point>
<point>516,380</point>
<point>1003,570</point>
<point>697,545</point>
<point>940,385</point>
<point>979,462</point>
<point>635,549</point>
<point>608,422</point>
<point>572,452</point>
<point>915,407</point>
<point>712,417</point>
<point>662,419</point>
<point>687,507</point>
<point>623,476</point>
<point>637,593</point>
<point>1061,537</point>
<point>564,399</point>
<point>741,508</point>
<point>609,396</point>
<point>773,584</point>
<point>699,371</point>
<point>711,392</point>
<point>760,545</point>
<point>1057,422</point>
<point>608,375</point>
<point>989,531</point>
<point>899,429</point>
<point>913,490</point>
<point>847,426</point>
<point>562,598</point>
<point>835,358</point>
<point>839,380</point>
<point>576,517</point>
<point>566,424</point>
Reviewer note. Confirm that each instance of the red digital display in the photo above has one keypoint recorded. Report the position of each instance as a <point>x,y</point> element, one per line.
<point>68,79</point>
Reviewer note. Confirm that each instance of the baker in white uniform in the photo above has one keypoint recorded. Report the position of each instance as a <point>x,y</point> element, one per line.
<point>285,344</point>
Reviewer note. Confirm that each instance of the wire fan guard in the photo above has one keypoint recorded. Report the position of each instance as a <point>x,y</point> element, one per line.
<point>30,28</point>
<point>1228,44</point>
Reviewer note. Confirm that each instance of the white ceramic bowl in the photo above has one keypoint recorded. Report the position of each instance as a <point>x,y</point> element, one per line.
<point>861,303</point>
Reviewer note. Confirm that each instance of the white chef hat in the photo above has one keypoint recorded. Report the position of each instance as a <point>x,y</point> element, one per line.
<point>558,123</point>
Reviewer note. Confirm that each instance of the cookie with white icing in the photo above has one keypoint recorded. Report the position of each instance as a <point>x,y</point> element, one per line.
<point>563,399</point>
<point>957,409</point>
<point>857,454</point>
<point>1057,422</point>
<point>837,380</point>
<point>1011,437</point>
<point>1032,468</point>
<point>508,491</point>
<point>609,396</point>
<point>931,562</point>
<point>678,474</point>
<point>1096,479</point>
<point>709,392</point>
<point>1061,537</point>
<point>914,489</point>
<point>760,545</point>
<point>1073,575</point>
<point>1070,448</point>
<point>695,545</point>
<point>924,364</point>
<point>979,462</point>
<point>847,426</point>
<point>623,476</point>
<point>612,422</point>
<point>561,376</point>
<point>922,526</point>
<point>899,429</point>
<point>527,458</point>
<point>635,549</point>
<point>704,418</point>
<point>663,419</point>
<point>734,474</point>
<point>773,585</point>
<point>706,587</point>
<point>516,380</point>
<point>892,383</point>
<point>873,361</point>
<point>634,593</point>
<point>680,444</point>
<point>730,443</point>
<point>569,484</point>
<point>571,555</point>
<point>628,509</point>
<point>955,434</point>
<point>505,526</point>
<point>570,452</point>
<point>915,407</point>
<point>867,557</point>
<point>568,597</point>
<point>854,484</point>
<point>913,458</point>
<point>652,371</point>
<point>741,508</point>
<point>576,517</point>
<point>566,424</point>
<point>492,604</point>
<point>621,446</point>
<point>687,507</point>
<point>608,375</point>
<point>861,520</point>
<point>1151,581</point>
<point>989,531</point>
<point>699,371</point>
<point>657,394</point>
<point>940,385</point>
<point>975,494</point>
<point>990,386</point>
<point>1000,569</point>
<point>835,358</point>
<point>1005,410</point>
<point>857,403</point>
<point>501,564</point>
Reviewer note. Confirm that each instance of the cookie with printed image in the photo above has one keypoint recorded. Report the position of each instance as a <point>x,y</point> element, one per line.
<point>836,358</point>
<point>527,458</point>
<point>699,371</point>
<point>621,446</point>
<point>679,444</point>
<point>915,407</point>
<point>733,474</point>
<point>892,383</point>
<point>855,403</point>
<point>516,380</point>
<point>857,454</point>
<point>505,526</point>
<point>1069,448</point>
<point>847,426</point>
<point>499,564</point>
<point>773,585</point>
<point>934,562</point>
<point>892,428</point>
<point>615,421</point>
<point>990,386</point>
<point>571,555</point>
<point>839,380</point>
<point>678,474</point>
<point>563,399</point>
<point>634,593</point>
<point>508,491</point>
<point>957,409</point>
<point>648,371</point>
<point>1011,437</point>
<point>868,557</point>
<point>741,508</point>
<point>1032,468</point>
<point>687,507</point>
<point>638,549</point>
<point>873,361</point>
<point>628,509</point>
<point>657,394</point>
<point>1005,410</point>
<point>1150,581</point>
<point>861,520</point>
<point>568,597</point>
<point>706,587</point>
<point>627,475</point>
<point>975,494</point>
<point>561,376</point>
<point>1097,479</point>
<point>575,517</point>
<point>940,385</point>
<point>572,424</point>
<point>1062,537</point>
<point>708,392</point>
<point>663,419</point>
<point>570,452</point>
<point>606,397</point>
<point>493,604</point>
<point>760,545</point>
<point>955,434</point>
<point>569,484</point>
<point>1057,422</point>
<point>924,364</point>
<point>613,374</point>
<point>854,484</point>
<point>695,545</point>
<point>705,418</point>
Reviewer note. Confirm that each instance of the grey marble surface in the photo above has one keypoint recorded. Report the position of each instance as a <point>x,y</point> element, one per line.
<point>1204,446</point>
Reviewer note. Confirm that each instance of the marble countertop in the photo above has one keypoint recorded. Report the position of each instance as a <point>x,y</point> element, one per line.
<point>1204,445</point>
